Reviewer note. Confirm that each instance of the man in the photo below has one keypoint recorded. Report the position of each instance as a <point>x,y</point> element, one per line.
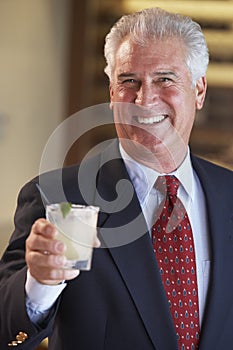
<point>156,62</point>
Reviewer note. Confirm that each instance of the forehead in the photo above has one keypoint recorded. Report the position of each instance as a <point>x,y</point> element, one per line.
<point>166,52</point>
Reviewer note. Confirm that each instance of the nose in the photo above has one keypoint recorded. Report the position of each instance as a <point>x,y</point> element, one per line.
<point>146,95</point>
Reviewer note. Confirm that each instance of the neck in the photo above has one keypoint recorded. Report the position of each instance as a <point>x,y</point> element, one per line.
<point>165,161</point>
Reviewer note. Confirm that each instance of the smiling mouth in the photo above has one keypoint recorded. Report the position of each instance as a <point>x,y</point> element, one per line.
<point>151,120</point>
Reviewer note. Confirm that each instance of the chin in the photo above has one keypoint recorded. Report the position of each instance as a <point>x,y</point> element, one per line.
<point>144,147</point>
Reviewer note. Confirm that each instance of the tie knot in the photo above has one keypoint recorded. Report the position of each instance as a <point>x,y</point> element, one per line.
<point>168,184</point>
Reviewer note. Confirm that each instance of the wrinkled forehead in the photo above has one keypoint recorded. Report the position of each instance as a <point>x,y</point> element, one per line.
<point>130,46</point>
<point>157,52</point>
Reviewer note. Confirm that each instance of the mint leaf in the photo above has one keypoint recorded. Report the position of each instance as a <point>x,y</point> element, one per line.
<point>65,208</point>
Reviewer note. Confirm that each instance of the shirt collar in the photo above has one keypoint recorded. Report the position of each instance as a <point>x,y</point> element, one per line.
<point>143,177</point>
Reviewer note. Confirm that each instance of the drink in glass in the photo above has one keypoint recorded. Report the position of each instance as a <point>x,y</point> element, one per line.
<point>77,229</point>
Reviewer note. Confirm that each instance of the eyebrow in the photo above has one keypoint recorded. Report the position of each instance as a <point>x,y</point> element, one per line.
<point>126,75</point>
<point>161,73</point>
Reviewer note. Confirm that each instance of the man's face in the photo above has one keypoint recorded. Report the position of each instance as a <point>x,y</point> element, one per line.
<point>153,99</point>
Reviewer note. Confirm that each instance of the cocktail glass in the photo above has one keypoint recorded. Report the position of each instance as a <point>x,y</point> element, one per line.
<point>77,229</point>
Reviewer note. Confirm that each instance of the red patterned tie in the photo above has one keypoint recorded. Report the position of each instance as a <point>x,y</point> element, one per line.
<point>174,248</point>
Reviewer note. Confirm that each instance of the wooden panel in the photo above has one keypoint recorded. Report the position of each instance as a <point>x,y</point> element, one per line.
<point>211,11</point>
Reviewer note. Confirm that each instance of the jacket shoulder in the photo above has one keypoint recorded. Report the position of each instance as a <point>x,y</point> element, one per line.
<point>206,165</point>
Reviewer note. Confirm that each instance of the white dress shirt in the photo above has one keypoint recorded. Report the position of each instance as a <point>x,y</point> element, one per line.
<point>40,298</point>
<point>191,194</point>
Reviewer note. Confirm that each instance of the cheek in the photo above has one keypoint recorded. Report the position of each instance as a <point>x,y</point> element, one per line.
<point>184,105</point>
<point>121,94</point>
<point>122,130</point>
<point>184,122</point>
<point>184,110</point>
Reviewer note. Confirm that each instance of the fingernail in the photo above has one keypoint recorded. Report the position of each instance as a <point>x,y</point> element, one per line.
<point>70,274</point>
<point>48,230</point>
<point>60,247</point>
<point>60,260</point>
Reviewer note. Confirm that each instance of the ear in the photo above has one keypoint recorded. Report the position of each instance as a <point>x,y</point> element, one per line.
<point>201,86</point>
<point>111,96</point>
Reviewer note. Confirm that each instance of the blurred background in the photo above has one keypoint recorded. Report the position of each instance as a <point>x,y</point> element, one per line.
<point>51,66</point>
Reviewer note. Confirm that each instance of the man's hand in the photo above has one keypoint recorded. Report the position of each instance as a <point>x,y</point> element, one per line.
<point>45,255</point>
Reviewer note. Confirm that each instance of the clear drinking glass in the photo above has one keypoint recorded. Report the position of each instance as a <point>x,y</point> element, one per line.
<point>77,229</point>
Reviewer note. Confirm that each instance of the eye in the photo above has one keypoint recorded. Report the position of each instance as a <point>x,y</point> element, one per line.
<point>129,81</point>
<point>165,79</point>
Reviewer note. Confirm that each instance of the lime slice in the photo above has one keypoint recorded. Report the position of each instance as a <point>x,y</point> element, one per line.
<point>65,208</point>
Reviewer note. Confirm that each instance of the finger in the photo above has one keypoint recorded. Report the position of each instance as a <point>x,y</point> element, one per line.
<point>53,276</point>
<point>44,259</point>
<point>97,242</point>
<point>41,243</point>
<point>58,276</point>
<point>49,268</point>
<point>42,237</point>
<point>44,227</point>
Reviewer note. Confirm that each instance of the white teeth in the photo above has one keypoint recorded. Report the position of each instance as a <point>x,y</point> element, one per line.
<point>151,120</point>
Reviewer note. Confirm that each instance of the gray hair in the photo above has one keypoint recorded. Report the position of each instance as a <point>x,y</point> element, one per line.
<point>156,23</point>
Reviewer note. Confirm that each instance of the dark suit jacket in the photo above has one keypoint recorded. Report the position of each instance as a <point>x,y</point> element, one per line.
<point>120,303</point>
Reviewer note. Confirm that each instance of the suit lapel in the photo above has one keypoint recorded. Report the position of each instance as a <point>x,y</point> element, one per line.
<point>220,295</point>
<point>138,268</point>
<point>123,230</point>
